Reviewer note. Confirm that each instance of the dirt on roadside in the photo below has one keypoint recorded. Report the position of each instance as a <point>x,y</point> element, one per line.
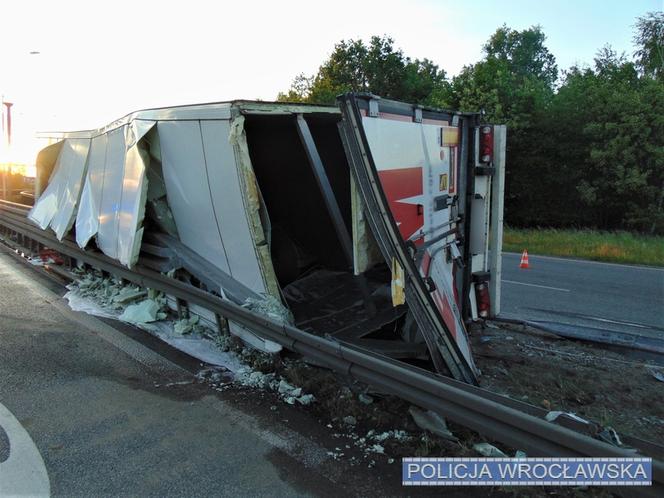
<point>554,373</point>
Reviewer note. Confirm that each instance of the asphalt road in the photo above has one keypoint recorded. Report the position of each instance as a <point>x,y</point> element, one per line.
<point>86,410</point>
<point>622,298</point>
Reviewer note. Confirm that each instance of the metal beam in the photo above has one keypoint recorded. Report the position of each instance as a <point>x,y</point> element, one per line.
<point>498,196</point>
<point>325,188</point>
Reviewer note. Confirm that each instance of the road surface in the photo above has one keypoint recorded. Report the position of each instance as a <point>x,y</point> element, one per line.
<point>86,410</point>
<point>620,298</point>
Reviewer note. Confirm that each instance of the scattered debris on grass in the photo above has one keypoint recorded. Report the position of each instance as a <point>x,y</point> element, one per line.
<point>566,378</point>
<point>432,422</point>
<point>488,450</point>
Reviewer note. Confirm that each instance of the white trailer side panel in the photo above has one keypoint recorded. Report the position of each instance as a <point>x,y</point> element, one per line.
<point>188,190</point>
<point>228,207</point>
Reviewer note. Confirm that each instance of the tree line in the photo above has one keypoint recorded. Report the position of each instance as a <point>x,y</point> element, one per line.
<point>585,144</point>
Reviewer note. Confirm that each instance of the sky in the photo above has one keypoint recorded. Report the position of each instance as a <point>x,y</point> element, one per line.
<point>99,61</point>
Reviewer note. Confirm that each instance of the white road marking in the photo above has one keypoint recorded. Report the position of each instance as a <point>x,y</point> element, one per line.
<point>24,472</point>
<point>535,285</point>
<point>619,322</point>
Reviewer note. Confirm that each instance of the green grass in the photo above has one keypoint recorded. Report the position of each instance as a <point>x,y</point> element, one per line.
<point>613,247</point>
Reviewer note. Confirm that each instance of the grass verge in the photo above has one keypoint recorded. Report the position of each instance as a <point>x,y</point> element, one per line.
<point>613,247</point>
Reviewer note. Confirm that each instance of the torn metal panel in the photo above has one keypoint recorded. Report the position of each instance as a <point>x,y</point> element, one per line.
<point>111,193</point>
<point>56,207</point>
<point>253,206</point>
<point>87,219</point>
<point>74,156</point>
<point>46,160</point>
<point>134,193</point>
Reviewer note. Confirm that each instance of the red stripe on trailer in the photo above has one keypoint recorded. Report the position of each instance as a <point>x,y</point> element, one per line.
<point>400,184</point>
<point>445,310</point>
<point>426,264</point>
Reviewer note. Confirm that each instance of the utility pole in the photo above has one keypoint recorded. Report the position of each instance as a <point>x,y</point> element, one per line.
<point>7,127</point>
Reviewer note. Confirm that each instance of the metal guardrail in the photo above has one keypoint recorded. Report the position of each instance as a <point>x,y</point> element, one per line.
<point>488,413</point>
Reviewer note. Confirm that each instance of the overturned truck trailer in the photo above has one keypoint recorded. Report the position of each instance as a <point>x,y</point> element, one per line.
<point>372,222</point>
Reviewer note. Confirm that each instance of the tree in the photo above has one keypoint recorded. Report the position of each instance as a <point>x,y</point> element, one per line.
<point>649,38</point>
<point>585,151</point>
<point>377,68</point>
<point>514,84</point>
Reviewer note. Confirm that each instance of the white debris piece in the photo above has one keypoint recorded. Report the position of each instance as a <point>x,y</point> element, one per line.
<point>306,399</point>
<point>186,325</point>
<point>551,416</point>
<point>144,312</point>
<point>87,305</point>
<point>397,435</point>
<point>488,450</point>
<point>365,399</point>
<point>128,294</point>
<point>285,387</point>
<point>350,420</point>
<point>657,373</point>
<point>376,448</point>
<point>432,422</point>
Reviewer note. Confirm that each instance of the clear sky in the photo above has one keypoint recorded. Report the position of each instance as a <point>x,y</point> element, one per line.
<point>98,61</point>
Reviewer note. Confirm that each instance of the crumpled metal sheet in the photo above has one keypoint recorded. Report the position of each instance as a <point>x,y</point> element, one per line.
<point>74,156</point>
<point>87,219</point>
<point>111,193</point>
<point>113,200</point>
<point>56,207</point>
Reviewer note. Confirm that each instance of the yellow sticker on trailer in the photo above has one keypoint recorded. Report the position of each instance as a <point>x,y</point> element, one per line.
<point>449,136</point>
<point>442,184</point>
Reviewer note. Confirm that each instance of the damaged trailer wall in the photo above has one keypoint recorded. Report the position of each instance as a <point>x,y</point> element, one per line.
<point>56,207</point>
<point>100,183</point>
<point>204,194</point>
<point>208,199</point>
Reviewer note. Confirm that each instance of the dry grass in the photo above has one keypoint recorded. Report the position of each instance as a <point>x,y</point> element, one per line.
<point>614,247</point>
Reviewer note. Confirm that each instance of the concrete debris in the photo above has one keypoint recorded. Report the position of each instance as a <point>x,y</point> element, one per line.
<point>432,422</point>
<point>376,448</point>
<point>271,307</point>
<point>144,312</point>
<point>488,450</point>
<point>365,399</point>
<point>551,416</point>
<point>128,294</point>
<point>350,420</point>
<point>187,325</point>
<point>287,392</point>
<point>285,387</point>
<point>306,399</point>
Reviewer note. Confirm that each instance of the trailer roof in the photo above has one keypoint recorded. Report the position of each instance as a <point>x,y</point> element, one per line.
<point>206,111</point>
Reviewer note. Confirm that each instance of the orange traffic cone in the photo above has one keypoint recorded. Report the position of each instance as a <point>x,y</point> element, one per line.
<point>524,260</point>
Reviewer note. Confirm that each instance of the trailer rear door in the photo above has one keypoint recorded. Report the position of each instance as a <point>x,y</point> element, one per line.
<point>405,161</point>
